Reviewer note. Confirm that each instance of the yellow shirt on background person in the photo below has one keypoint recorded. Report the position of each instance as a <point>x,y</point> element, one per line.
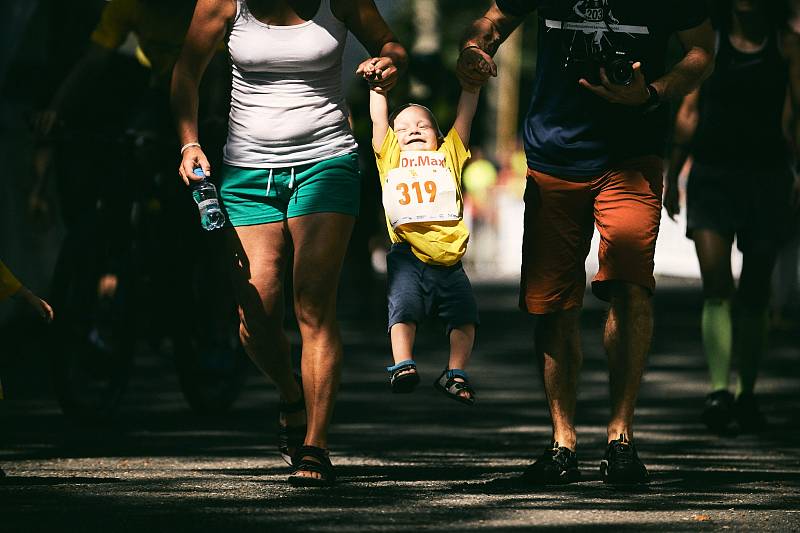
<point>9,285</point>
<point>160,28</point>
<point>438,243</point>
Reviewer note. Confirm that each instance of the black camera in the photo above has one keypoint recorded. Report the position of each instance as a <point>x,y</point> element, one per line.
<point>618,66</point>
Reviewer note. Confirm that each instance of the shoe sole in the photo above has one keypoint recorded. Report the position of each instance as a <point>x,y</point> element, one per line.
<point>566,477</point>
<point>405,384</point>
<point>304,481</point>
<point>459,399</point>
<point>309,483</point>
<point>607,479</point>
<point>715,424</point>
<point>750,425</point>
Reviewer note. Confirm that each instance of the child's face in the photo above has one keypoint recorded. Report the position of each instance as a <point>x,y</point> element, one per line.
<point>415,130</point>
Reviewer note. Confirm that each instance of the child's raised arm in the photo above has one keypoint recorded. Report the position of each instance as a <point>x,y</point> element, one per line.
<point>467,105</point>
<point>379,113</point>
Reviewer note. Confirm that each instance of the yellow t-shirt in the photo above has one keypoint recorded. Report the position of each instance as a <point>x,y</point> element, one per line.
<point>160,28</point>
<point>9,285</point>
<point>439,243</point>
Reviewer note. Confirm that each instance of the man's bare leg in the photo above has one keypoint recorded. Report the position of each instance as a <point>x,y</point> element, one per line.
<point>559,355</point>
<point>627,336</point>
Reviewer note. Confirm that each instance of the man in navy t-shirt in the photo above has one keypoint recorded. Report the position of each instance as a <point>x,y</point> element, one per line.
<point>594,138</point>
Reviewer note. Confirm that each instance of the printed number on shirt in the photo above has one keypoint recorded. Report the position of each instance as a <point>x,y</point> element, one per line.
<point>420,189</point>
<point>417,188</point>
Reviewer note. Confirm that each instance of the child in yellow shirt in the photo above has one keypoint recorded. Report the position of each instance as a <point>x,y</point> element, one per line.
<point>420,173</point>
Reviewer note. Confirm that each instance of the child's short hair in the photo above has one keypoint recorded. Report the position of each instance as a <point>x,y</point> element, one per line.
<point>439,134</point>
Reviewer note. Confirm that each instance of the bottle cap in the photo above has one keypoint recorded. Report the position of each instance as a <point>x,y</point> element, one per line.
<point>199,172</point>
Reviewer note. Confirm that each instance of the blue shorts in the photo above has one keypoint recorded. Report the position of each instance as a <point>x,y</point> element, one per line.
<point>417,290</point>
<point>252,196</point>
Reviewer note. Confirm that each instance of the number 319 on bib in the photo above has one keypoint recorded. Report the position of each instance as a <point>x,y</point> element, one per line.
<point>423,192</point>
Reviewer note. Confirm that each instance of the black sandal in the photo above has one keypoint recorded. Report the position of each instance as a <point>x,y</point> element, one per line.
<point>321,465</point>
<point>291,437</point>
<point>403,377</point>
<point>447,384</point>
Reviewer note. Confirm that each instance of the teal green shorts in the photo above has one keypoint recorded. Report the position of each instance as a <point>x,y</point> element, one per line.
<point>250,196</point>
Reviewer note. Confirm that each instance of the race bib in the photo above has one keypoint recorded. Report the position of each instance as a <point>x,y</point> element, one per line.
<point>420,189</point>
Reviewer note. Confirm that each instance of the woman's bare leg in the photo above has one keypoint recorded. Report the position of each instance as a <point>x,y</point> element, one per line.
<point>320,242</point>
<point>259,256</point>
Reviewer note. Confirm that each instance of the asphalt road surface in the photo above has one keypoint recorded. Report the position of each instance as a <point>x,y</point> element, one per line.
<point>407,463</point>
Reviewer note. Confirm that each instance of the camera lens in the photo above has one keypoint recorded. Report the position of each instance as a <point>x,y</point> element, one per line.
<point>620,72</point>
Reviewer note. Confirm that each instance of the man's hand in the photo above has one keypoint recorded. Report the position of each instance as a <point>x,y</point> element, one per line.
<point>474,68</point>
<point>634,94</point>
<point>381,73</point>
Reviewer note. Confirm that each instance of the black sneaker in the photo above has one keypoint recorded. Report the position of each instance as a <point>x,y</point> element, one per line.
<point>621,464</point>
<point>718,411</point>
<point>556,466</point>
<point>747,413</point>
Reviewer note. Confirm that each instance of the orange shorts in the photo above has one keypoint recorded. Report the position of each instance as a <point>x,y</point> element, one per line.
<point>560,213</point>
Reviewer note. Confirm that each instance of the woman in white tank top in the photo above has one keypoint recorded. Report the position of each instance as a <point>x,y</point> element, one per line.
<point>290,181</point>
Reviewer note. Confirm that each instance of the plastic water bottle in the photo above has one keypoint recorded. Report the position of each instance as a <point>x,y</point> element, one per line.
<point>205,195</point>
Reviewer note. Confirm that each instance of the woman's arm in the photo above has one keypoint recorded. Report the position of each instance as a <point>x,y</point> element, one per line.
<point>465,113</point>
<point>379,113</point>
<point>207,30</point>
<point>685,126</point>
<point>365,21</point>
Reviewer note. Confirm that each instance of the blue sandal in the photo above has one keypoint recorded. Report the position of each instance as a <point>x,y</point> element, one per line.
<point>452,388</point>
<point>403,376</point>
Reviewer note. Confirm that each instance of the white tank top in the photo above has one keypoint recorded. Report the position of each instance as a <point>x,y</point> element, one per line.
<point>287,106</point>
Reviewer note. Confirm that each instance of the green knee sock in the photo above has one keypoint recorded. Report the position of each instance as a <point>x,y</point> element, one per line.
<point>752,326</point>
<point>717,327</point>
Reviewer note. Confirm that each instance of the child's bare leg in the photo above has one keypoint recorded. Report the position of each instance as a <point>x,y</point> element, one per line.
<point>403,335</point>
<point>462,338</point>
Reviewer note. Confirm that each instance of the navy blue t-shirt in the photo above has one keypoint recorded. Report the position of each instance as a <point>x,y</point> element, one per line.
<point>569,131</point>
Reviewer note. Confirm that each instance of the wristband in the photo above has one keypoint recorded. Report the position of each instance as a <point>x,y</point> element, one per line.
<point>653,100</point>
<point>189,145</point>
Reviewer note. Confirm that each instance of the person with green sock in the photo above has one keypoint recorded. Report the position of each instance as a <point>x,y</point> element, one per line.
<point>741,186</point>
